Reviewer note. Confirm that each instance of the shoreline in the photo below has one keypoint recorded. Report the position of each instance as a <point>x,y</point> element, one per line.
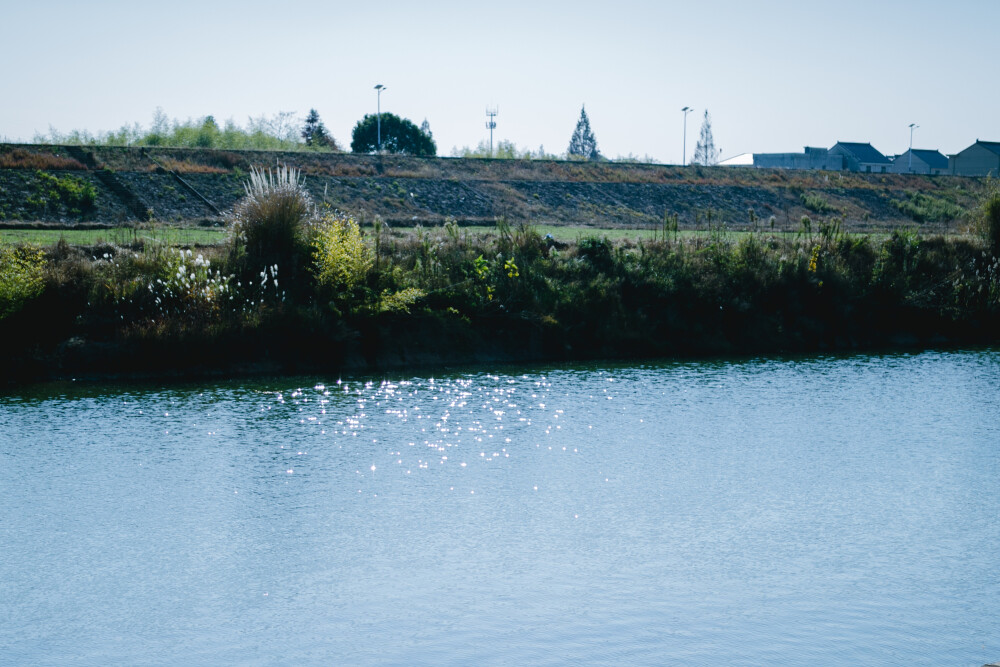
<point>77,359</point>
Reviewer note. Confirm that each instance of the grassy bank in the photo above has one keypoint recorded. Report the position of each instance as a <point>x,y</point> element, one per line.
<point>119,185</point>
<point>120,236</point>
<point>296,288</point>
<point>186,236</point>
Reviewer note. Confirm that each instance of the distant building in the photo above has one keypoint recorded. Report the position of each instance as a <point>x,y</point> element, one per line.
<point>741,160</point>
<point>980,159</point>
<point>810,158</point>
<point>844,156</point>
<point>920,161</point>
<point>861,157</point>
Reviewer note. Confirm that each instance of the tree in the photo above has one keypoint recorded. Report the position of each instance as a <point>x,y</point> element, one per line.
<point>582,143</point>
<point>425,127</point>
<point>208,133</point>
<point>705,152</point>
<point>399,136</point>
<point>314,133</point>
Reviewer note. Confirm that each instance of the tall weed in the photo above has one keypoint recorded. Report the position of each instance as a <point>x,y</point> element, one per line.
<point>274,224</point>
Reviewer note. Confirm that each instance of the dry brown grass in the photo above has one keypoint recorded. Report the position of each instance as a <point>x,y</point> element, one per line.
<point>20,158</point>
<point>351,170</point>
<point>188,167</point>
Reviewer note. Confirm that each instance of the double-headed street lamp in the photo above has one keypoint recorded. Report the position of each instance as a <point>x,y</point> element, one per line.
<point>686,111</point>
<point>913,126</point>
<point>378,116</point>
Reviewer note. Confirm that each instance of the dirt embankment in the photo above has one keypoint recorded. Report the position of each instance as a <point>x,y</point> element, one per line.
<point>190,186</point>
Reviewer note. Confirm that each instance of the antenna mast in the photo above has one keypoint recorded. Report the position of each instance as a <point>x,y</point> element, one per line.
<point>491,124</point>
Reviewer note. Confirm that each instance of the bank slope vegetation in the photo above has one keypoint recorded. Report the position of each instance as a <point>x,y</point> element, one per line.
<point>301,287</point>
<point>126,186</point>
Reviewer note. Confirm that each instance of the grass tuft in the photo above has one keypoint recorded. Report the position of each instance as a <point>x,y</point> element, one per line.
<point>274,223</point>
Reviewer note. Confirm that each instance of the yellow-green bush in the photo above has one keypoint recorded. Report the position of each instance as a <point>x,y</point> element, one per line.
<point>21,277</point>
<point>400,302</point>
<point>341,259</point>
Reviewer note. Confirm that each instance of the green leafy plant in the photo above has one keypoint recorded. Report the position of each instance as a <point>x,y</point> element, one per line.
<point>926,208</point>
<point>987,219</point>
<point>816,203</point>
<point>341,259</point>
<point>53,193</point>
<point>22,277</point>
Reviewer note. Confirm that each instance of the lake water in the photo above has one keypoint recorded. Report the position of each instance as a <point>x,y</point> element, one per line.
<point>824,510</point>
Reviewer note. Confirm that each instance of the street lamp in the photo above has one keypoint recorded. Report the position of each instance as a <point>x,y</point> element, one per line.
<point>913,126</point>
<point>686,111</point>
<point>378,117</point>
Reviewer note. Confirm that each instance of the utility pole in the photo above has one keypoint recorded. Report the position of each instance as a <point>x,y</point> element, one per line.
<point>686,111</point>
<point>378,115</point>
<point>909,167</point>
<point>491,125</point>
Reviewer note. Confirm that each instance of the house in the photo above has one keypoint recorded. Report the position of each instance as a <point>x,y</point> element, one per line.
<point>810,158</point>
<point>920,161</point>
<point>980,159</point>
<point>861,157</point>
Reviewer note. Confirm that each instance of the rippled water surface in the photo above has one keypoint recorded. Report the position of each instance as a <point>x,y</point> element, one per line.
<point>812,511</point>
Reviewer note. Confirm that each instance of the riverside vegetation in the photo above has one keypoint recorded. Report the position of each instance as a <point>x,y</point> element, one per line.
<point>298,286</point>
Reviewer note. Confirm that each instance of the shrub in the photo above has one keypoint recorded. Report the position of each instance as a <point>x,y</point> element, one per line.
<point>596,251</point>
<point>925,208</point>
<point>989,221</point>
<point>401,301</point>
<point>52,192</point>
<point>340,257</point>
<point>22,277</point>
<point>816,203</point>
<point>273,224</point>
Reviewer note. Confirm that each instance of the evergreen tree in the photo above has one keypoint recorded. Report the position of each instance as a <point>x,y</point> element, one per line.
<point>582,143</point>
<point>425,127</point>
<point>314,132</point>
<point>399,136</point>
<point>705,152</point>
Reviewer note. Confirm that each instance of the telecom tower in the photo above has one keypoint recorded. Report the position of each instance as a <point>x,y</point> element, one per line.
<point>491,125</point>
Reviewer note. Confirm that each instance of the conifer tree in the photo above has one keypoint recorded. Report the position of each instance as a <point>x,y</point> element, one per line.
<point>314,132</point>
<point>582,143</point>
<point>425,127</point>
<point>705,152</point>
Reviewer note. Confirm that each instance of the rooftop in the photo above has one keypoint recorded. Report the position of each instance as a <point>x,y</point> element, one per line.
<point>865,153</point>
<point>933,159</point>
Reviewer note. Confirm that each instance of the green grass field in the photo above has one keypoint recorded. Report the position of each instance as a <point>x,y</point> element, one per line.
<point>174,236</point>
<point>575,233</point>
<point>190,236</point>
<point>178,236</point>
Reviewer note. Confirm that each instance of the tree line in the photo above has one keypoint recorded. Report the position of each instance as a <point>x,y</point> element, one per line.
<point>375,133</point>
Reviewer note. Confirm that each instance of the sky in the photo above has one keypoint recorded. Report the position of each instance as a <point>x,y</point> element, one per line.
<point>775,76</point>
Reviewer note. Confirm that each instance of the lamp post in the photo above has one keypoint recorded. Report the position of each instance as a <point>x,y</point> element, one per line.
<point>909,167</point>
<point>491,125</point>
<point>686,111</point>
<point>378,116</point>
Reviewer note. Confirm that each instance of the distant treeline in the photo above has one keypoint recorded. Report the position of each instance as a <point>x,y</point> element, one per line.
<point>283,132</point>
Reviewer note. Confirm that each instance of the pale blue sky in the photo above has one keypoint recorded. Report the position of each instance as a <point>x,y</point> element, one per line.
<point>775,76</point>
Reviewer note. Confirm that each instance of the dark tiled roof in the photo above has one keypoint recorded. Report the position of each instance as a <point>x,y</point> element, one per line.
<point>862,152</point>
<point>934,159</point>
<point>993,146</point>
